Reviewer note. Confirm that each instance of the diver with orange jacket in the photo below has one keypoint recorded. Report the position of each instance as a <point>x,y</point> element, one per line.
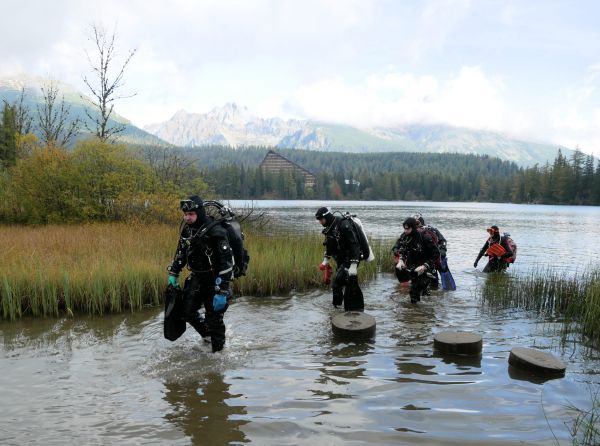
<point>498,251</point>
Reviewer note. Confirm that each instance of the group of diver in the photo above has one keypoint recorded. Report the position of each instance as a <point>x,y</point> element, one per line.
<point>419,252</point>
<point>211,251</point>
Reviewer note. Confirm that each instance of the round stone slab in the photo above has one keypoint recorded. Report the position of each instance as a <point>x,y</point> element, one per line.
<point>458,342</point>
<point>353,325</point>
<point>536,361</point>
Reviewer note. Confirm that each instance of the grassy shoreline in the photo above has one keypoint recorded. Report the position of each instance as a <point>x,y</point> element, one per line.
<point>572,299</point>
<point>114,267</point>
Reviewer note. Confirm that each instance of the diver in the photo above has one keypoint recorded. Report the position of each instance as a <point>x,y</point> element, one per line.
<point>434,233</point>
<point>498,251</point>
<point>341,243</point>
<point>417,254</point>
<point>204,248</point>
<point>441,264</point>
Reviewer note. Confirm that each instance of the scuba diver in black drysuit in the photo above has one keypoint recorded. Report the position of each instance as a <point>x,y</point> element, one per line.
<point>341,243</point>
<point>417,256</point>
<point>439,238</point>
<point>498,260</point>
<point>208,255</point>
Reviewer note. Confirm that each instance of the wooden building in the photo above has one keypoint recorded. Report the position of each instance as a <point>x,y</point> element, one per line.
<point>275,163</point>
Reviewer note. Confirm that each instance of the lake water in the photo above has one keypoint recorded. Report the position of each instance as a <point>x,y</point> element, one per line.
<point>284,380</point>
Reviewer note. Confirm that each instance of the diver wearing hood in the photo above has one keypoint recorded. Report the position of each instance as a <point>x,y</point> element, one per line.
<point>497,249</point>
<point>341,243</point>
<point>417,254</point>
<point>209,257</point>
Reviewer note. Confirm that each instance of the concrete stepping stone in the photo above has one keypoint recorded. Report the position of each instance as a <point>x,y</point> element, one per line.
<point>536,361</point>
<point>353,325</point>
<point>458,342</point>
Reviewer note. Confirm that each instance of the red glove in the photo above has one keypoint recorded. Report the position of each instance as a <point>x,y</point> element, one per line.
<point>327,270</point>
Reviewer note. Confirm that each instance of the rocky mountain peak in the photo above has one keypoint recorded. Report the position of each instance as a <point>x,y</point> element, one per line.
<point>230,114</point>
<point>236,126</point>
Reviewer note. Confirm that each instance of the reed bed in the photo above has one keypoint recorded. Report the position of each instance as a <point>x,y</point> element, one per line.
<point>572,299</point>
<point>585,427</point>
<point>110,268</point>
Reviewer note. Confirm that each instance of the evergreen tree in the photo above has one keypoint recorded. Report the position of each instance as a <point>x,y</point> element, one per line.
<point>8,136</point>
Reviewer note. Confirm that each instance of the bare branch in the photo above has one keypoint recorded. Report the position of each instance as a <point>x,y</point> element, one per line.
<point>103,86</point>
<point>54,121</point>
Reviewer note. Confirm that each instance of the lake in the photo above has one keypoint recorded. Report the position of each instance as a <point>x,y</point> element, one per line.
<point>283,379</point>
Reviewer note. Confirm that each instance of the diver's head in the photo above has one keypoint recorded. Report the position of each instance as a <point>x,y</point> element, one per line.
<point>325,216</point>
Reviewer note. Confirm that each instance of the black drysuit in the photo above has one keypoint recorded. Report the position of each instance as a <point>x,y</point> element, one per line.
<point>208,255</point>
<point>341,243</point>
<point>416,249</point>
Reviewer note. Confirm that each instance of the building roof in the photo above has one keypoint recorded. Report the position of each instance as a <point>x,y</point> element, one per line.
<point>274,155</point>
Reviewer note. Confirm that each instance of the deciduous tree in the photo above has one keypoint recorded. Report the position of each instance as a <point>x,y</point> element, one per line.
<point>105,83</point>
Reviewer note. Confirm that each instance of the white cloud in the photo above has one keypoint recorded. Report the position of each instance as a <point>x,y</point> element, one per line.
<point>469,98</point>
<point>438,20</point>
<point>576,120</point>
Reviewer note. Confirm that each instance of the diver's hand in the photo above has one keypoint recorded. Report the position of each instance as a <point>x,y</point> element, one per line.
<point>353,270</point>
<point>173,281</point>
<point>420,269</point>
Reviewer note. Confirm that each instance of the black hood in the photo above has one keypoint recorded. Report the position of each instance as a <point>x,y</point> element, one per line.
<point>200,212</point>
<point>325,213</point>
<point>411,222</point>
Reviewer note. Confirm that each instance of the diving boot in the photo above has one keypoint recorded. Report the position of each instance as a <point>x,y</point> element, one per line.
<point>217,344</point>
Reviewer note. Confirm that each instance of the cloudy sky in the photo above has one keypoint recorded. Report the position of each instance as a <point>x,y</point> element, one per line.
<point>528,68</point>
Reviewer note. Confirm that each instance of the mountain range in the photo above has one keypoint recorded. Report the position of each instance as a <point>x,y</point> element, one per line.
<point>236,126</point>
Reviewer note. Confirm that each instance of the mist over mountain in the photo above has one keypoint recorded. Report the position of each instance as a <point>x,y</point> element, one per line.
<point>236,126</point>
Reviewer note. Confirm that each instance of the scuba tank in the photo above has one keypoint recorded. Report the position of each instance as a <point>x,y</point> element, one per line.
<point>226,217</point>
<point>365,249</point>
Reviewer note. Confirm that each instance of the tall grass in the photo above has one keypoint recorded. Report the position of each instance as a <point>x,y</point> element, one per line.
<point>100,268</point>
<point>93,268</point>
<point>585,426</point>
<point>572,299</point>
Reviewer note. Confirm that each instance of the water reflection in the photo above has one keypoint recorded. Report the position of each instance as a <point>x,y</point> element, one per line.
<point>414,321</point>
<point>524,375</point>
<point>339,366</point>
<point>464,363</point>
<point>202,411</point>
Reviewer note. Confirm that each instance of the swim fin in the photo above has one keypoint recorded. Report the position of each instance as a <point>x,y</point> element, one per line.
<point>446,278</point>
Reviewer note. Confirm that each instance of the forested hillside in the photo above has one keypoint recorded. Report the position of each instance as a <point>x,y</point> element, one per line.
<point>383,176</point>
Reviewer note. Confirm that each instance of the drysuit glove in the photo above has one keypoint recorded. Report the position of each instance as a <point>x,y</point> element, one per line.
<point>173,281</point>
<point>353,270</point>
<point>400,264</point>
<point>420,269</point>
<point>220,300</point>
<point>475,263</point>
<point>324,264</point>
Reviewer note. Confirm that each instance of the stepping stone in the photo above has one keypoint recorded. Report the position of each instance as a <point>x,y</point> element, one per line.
<point>458,342</point>
<point>353,325</point>
<point>536,361</point>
